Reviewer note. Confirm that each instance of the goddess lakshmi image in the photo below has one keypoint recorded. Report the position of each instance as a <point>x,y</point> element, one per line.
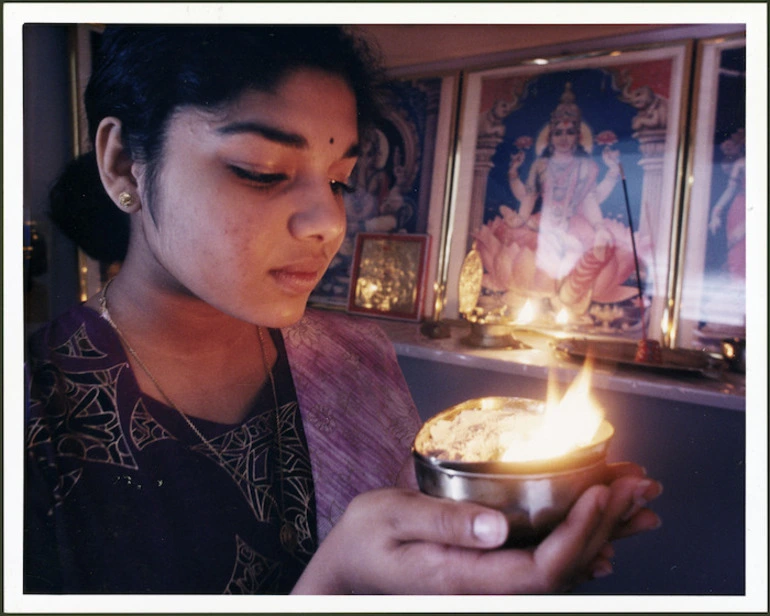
<point>557,247</point>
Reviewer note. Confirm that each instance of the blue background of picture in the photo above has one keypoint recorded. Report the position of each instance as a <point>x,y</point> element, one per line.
<point>601,110</point>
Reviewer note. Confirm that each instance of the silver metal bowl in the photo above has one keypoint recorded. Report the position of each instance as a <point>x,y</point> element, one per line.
<point>534,496</point>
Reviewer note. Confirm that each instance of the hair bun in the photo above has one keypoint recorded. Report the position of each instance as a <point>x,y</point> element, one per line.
<point>82,210</point>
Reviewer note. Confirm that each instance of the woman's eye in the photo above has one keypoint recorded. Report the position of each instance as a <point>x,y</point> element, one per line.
<point>261,180</point>
<point>340,188</point>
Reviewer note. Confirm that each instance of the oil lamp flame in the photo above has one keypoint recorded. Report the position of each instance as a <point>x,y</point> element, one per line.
<point>563,317</point>
<point>526,314</point>
<point>564,425</point>
<point>664,323</point>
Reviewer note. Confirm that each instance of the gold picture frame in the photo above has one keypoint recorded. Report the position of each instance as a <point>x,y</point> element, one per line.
<point>388,275</point>
<point>631,103</point>
<point>711,286</point>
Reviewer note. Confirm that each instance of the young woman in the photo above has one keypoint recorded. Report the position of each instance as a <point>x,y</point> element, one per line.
<point>193,428</point>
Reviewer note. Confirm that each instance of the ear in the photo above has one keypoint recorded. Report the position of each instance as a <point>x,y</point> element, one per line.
<point>115,166</point>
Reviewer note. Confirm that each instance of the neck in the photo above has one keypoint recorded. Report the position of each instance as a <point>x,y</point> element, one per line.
<point>172,318</point>
<point>563,156</point>
<point>207,364</point>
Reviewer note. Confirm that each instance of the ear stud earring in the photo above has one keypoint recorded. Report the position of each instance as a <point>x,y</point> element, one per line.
<point>125,199</point>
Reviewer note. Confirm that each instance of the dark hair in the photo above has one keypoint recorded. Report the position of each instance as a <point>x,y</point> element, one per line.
<point>142,74</point>
<point>80,207</point>
<point>580,151</point>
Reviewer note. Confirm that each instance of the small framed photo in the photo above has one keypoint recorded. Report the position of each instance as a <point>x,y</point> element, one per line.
<point>712,299</point>
<point>388,275</point>
<point>567,188</point>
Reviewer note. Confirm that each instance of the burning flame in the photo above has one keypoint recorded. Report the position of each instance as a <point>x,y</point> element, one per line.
<point>563,426</point>
<point>527,313</point>
<point>563,317</point>
<point>664,322</point>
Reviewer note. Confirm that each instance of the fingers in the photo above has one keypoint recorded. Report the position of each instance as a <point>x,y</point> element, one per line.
<point>626,513</point>
<point>516,161</point>
<point>436,520</point>
<point>565,553</point>
<point>407,531</point>
<point>644,492</point>
<point>600,566</point>
<point>637,517</point>
<point>616,470</point>
<point>577,547</point>
<point>645,520</point>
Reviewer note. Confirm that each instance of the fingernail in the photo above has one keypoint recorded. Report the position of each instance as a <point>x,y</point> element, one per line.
<point>490,528</point>
<point>656,524</point>
<point>646,491</point>
<point>650,491</point>
<point>602,570</point>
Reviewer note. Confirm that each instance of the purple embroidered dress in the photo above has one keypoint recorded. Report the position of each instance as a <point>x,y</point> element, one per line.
<point>122,496</point>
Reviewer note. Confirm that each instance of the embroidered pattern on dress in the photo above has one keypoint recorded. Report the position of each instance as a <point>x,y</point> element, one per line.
<point>79,345</point>
<point>251,570</point>
<point>144,429</point>
<point>67,481</point>
<point>74,419</point>
<point>88,427</point>
<point>299,489</point>
<point>245,449</point>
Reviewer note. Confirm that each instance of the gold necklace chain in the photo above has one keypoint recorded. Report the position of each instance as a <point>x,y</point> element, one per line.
<point>288,533</point>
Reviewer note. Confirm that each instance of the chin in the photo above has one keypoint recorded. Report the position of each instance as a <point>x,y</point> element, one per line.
<point>281,315</point>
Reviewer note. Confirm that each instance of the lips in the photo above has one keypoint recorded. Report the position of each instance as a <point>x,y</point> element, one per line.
<point>298,279</point>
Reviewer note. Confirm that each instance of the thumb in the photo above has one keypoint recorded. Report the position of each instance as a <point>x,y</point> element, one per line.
<point>413,516</point>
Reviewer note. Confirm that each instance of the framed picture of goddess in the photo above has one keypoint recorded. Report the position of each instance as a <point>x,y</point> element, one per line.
<point>400,179</point>
<point>560,161</point>
<point>712,298</point>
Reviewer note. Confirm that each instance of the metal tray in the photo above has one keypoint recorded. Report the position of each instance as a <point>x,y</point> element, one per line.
<point>680,361</point>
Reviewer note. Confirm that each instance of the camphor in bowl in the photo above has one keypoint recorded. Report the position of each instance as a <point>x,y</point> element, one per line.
<point>534,495</point>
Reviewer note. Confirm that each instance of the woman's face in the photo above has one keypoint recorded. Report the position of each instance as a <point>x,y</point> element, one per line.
<point>564,137</point>
<point>249,206</point>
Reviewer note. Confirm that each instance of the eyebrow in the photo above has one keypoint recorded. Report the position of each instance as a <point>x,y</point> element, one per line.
<point>292,140</point>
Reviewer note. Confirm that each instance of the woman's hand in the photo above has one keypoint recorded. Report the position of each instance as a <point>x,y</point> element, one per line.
<point>511,217</point>
<point>401,541</point>
<point>516,162</point>
<point>715,221</point>
<point>611,158</point>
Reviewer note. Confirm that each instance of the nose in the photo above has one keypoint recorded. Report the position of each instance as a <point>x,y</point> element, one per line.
<point>320,214</point>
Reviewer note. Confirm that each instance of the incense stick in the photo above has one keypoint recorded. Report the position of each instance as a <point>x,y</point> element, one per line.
<point>633,246</point>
